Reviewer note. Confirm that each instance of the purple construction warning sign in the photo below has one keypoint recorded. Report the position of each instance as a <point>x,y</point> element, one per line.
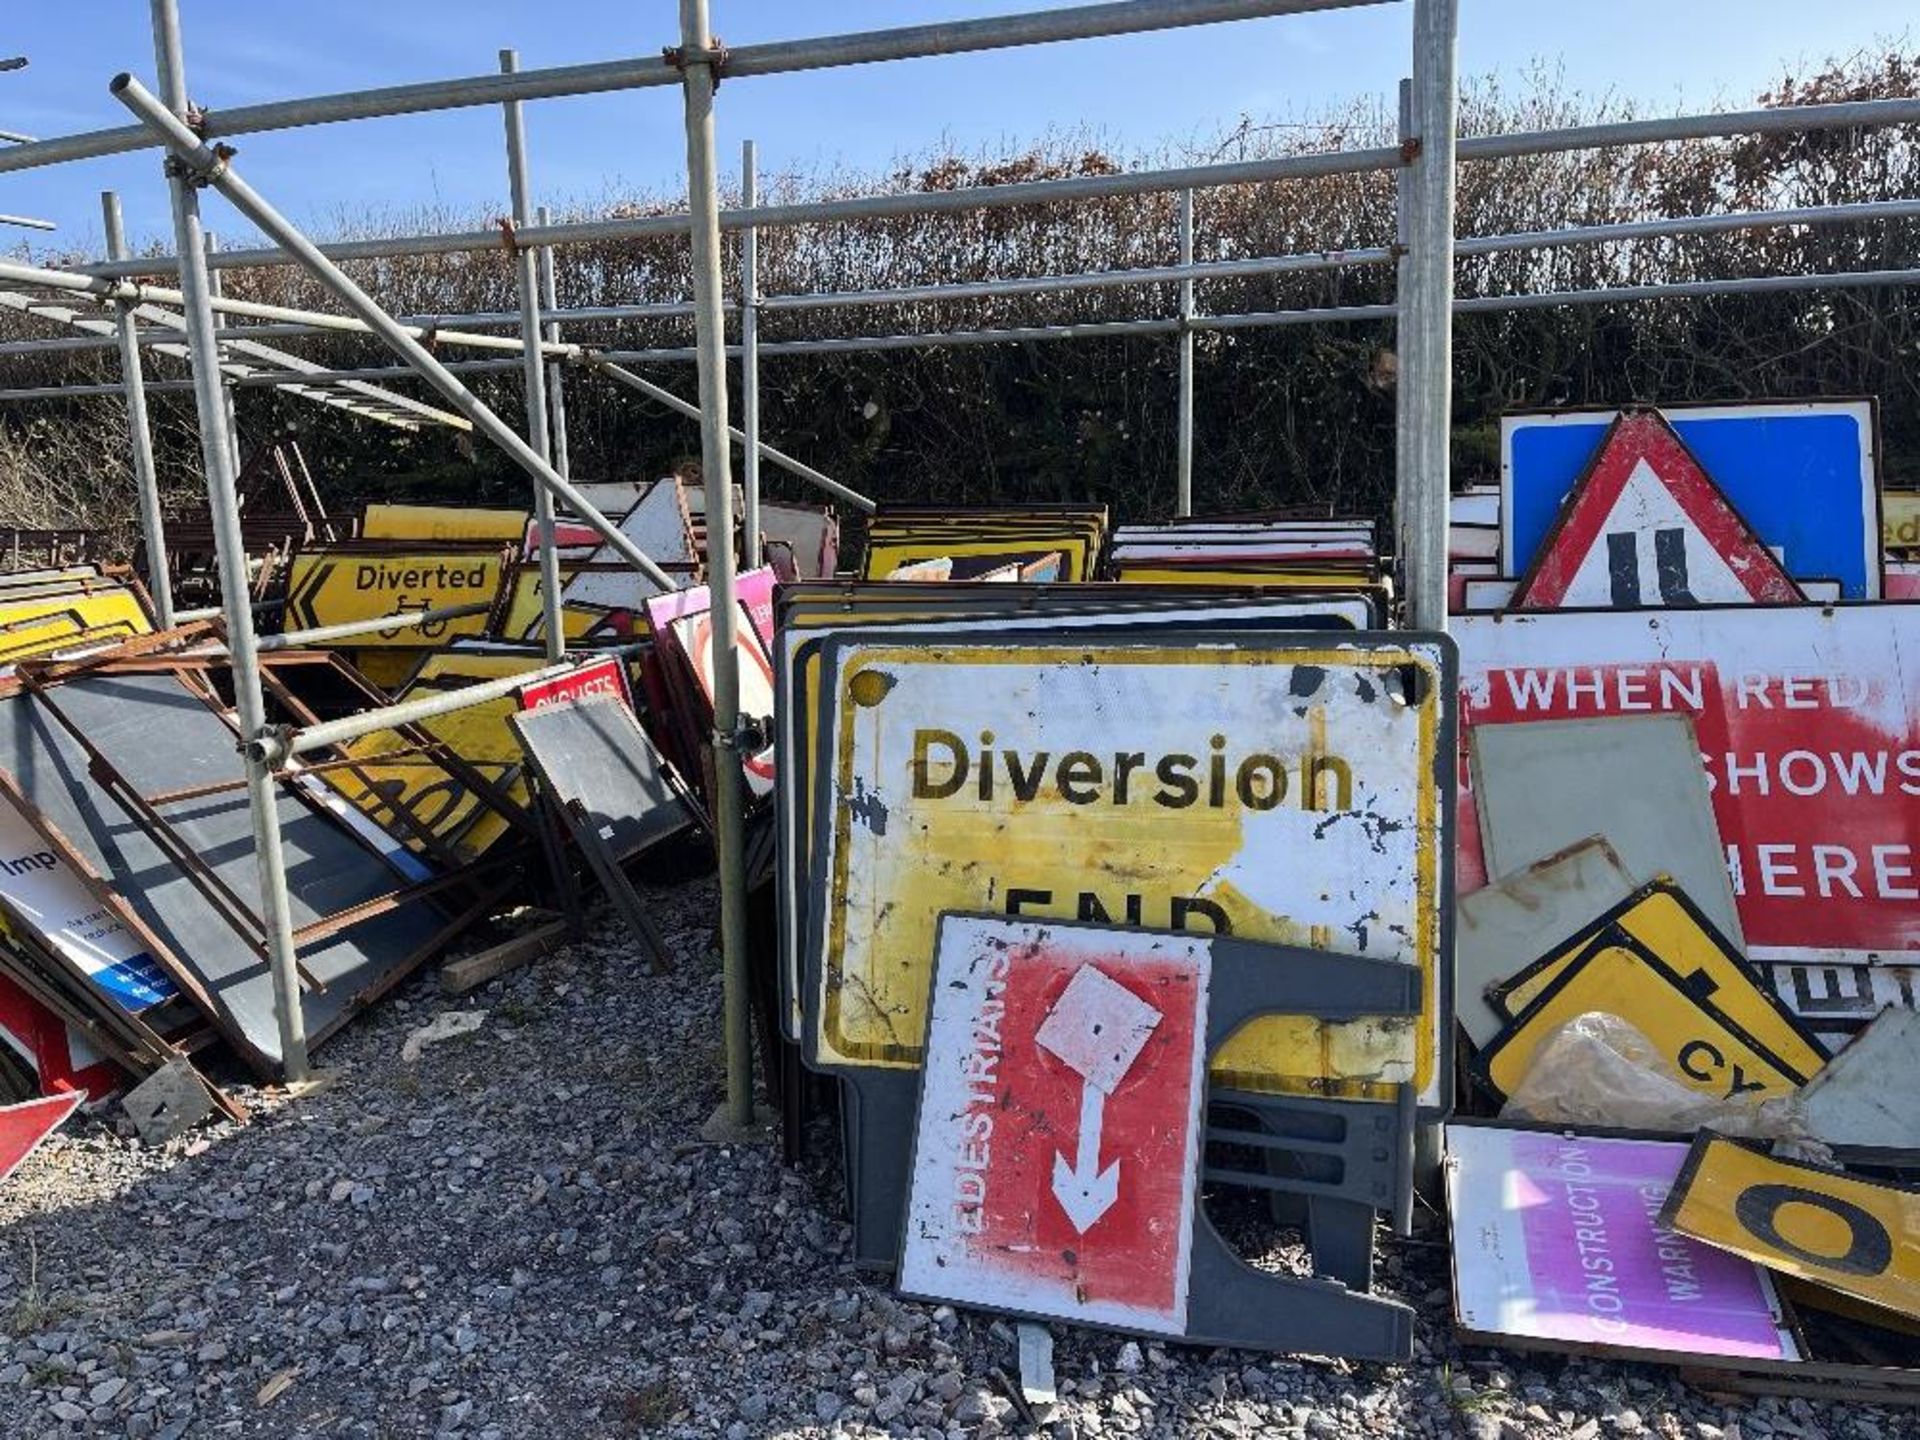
<point>1557,1238</point>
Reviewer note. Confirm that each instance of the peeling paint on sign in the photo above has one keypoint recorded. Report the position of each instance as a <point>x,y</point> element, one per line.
<point>1275,788</point>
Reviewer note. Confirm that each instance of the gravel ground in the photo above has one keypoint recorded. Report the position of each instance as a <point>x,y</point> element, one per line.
<point>520,1234</point>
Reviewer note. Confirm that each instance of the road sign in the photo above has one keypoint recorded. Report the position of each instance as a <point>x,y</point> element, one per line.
<point>46,894</point>
<point>1805,475</point>
<point>1055,1151</point>
<point>1269,785</point>
<point>1807,721</point>
<point>24,1126</point>
<point>335,585</point>
<point>1645,525</point>
<point>1900,521</point>
<point>1556,1246</point>
<point>1854,1235</point>
<point>1661,917</point>
<point>443,522</point>
<point>806,611</point>
<point>1059,1124</point>
<point>605,676</point>
<point>1698,1041</point>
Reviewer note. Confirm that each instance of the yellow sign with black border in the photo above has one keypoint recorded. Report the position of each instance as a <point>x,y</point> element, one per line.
<point>1854,1235</point>
<point>1660,917</point>
<point>1618,976</point>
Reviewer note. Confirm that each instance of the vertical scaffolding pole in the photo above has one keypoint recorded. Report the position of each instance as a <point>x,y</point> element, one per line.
<point>533,365</point>
<point>1183,501</point>
<point>696,62</point>
<point>1406,367</point>
<point>217,454</point>
<point>556,373</point>
<point>1435,30</point>
<point>750,355</point>
<point>217,288</point>
<point>153,529</point>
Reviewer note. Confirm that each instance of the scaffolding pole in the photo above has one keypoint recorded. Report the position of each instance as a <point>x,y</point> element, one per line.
<point>223,504</point>
<point>215,169</point>
<point>1423,537</point>
<point>153,525</point>
<point>750,356</point>
<point>1183,482</point>
<point>216,291</point>
<point>533,367</point>
<point>698,61</point>
<point>556,373</point>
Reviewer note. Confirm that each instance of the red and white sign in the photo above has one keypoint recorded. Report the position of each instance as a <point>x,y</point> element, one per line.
<point>605,676</point>
<point>24,1126</point>
<point>59,1056</point>
<point>1646,526</point>
<point>1058,1137</point>
<point>1809,724</point>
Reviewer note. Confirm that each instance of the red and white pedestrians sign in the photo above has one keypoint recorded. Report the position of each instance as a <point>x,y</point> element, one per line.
<point>1058,1136</point>
<point>1647,527</point>
<point>23,1127</point>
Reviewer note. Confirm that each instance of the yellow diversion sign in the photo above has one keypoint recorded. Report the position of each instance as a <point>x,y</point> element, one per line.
<point>1856,1236</point>
<point>334,586</point>
<point>1280,789</point>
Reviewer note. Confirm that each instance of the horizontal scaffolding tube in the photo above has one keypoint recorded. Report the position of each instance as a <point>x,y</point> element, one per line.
<point>610,361</point>
<point>347,629</point>
<point>779,57</point>
<point>1666,227</point>
<point>409,712</point>
<point>1090,280</point>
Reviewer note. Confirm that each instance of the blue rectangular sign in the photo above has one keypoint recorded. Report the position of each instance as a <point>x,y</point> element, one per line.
<point>1805,475</point>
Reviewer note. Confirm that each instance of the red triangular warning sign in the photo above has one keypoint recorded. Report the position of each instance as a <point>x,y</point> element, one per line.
<point>1646,527</point>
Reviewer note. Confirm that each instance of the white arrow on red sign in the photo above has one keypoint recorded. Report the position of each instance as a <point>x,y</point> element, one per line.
<point>1097,1028</point>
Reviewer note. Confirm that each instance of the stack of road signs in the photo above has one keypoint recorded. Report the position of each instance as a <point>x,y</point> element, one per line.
<point>678,679</point>
<point>900,535</point>
<point>1237,550</point>
<point>996,752</point>
<point>1056,1160</point>
<point>1724,564</point>
<point>68,608</point>
<point>161,840</point>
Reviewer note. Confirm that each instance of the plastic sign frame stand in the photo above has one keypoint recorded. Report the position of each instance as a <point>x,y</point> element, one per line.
<point>1646,509</point>
<point>1208,1295</point>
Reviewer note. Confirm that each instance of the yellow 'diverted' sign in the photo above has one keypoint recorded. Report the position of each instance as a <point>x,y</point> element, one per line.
<point>412,792</point>
<point>336,586</point>
<point>1661,918</point>
<point>1857,1236</point>
<point>1285,792</point>
<point>443,522</point>
<point>1704,1046</point>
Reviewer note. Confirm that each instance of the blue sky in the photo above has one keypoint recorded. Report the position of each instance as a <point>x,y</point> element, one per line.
<point>1140,91</point>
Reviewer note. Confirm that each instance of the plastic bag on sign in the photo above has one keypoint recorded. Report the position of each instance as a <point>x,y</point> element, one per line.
<point>1598,1070</point>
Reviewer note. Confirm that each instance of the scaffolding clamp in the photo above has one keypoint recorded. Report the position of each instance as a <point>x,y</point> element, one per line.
<point>714,56</point>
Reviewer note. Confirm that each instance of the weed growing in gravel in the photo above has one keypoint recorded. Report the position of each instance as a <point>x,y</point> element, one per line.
<point>653,1404</point>
<point>35,1309</point>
